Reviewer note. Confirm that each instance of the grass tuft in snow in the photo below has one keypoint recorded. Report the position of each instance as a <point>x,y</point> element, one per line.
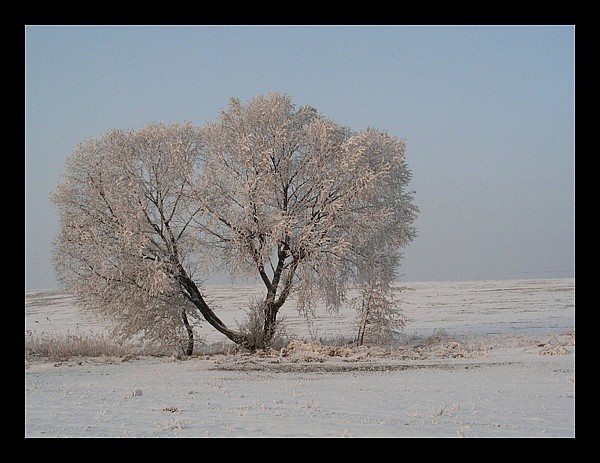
<point>65,346</point>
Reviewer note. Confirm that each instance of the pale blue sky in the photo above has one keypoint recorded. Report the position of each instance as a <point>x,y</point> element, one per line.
<point>487,114</point>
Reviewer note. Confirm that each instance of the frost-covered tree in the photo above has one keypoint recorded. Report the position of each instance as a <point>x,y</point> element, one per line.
<point>378,314</point>
<point>269,190</point>
<point>126,244</point>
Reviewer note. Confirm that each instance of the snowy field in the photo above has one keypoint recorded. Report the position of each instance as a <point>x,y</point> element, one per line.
<point>479,359</point>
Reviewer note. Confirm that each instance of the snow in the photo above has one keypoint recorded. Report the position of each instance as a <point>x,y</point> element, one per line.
<point>480,359</point>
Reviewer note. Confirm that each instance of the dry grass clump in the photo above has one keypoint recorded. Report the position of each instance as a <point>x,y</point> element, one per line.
<point>557,345</point>
<point>253,328</point>
<point>570,335</point>
<point>66,346</point>
<point>438,336</point>
<point>311,350</point>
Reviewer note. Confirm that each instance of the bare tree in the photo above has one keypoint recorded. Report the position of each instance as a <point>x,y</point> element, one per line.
<point>268,190</point>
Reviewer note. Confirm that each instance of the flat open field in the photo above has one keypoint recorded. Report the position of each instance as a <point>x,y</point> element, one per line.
<point>479,359</point>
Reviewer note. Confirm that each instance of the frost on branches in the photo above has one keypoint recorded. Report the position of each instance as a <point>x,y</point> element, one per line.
<point>269,190</point>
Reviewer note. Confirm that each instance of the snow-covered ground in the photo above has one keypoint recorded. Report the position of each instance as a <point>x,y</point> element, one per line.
<point>480,359</point>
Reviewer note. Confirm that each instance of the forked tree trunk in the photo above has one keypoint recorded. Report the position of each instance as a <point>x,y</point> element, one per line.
<point>272,306</point>
<point>194,295</point>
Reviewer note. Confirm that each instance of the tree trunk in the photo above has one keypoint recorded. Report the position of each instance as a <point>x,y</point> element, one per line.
<point>194,295</point>
<point>269,325</point>
<point>365,306</point>
<point>272,303</point>
<point>190,345</point>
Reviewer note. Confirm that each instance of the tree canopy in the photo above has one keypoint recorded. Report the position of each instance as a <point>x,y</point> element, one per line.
<point>268,190</point>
